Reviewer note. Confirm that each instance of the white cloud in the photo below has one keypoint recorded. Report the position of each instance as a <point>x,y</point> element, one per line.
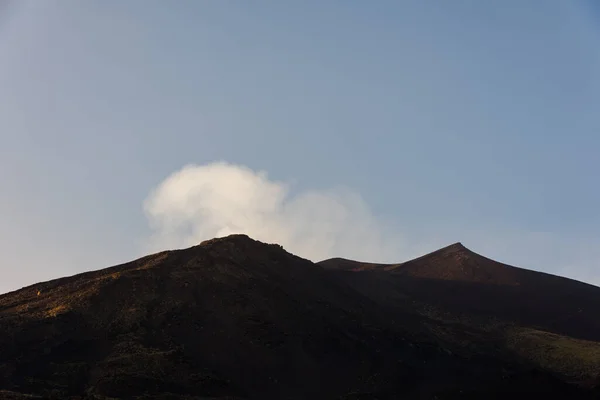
<point>202,202</point>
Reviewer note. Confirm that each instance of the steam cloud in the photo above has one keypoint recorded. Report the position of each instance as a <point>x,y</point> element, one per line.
<point>200,202</point>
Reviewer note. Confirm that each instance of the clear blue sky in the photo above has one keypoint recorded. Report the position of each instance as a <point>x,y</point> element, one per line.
<point>454,121</point>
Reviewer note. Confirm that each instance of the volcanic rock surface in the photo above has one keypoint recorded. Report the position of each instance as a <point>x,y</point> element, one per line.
<point>234,318</point>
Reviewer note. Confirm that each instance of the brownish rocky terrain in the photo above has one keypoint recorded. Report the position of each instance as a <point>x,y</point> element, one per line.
<point>233,318</point>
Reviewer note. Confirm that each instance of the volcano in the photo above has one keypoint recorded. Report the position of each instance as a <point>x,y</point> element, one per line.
<point>234,318</point>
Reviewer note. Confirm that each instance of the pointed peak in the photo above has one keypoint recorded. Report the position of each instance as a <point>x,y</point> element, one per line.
<point>457,263</point>
<point>457,247</point>
<point>454,250</point>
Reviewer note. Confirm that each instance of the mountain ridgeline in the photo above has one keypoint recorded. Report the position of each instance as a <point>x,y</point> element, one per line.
<point>234,318</point>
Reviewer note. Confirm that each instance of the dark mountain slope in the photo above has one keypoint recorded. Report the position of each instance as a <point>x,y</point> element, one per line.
<point>459,264</point>
<point>535,314</point>
<point>236,318</point>
<point>459,278</point>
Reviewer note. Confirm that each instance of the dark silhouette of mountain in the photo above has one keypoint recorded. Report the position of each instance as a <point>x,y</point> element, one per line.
<point>458,279</point>
<point>543,319</point>
<point>233,318</point>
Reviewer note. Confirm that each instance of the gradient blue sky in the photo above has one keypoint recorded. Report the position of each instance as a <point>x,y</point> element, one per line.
<point>454,121</point>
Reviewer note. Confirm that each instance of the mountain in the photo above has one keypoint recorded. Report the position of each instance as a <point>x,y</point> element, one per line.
<point>456,278</point>
<point>234,318</point>
<point>547,320</point>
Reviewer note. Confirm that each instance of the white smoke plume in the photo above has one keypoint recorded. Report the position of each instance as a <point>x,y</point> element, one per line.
<point>201,202</point>
<point>204,201</point>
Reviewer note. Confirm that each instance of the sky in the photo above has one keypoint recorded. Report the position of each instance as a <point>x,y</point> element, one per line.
<point>377,131</point>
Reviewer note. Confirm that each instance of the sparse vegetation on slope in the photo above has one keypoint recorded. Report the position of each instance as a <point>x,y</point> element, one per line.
<point>235,318</point>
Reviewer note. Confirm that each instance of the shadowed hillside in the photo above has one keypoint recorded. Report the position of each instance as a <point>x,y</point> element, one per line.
<point>535,315</point>
<point>236,318</point>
